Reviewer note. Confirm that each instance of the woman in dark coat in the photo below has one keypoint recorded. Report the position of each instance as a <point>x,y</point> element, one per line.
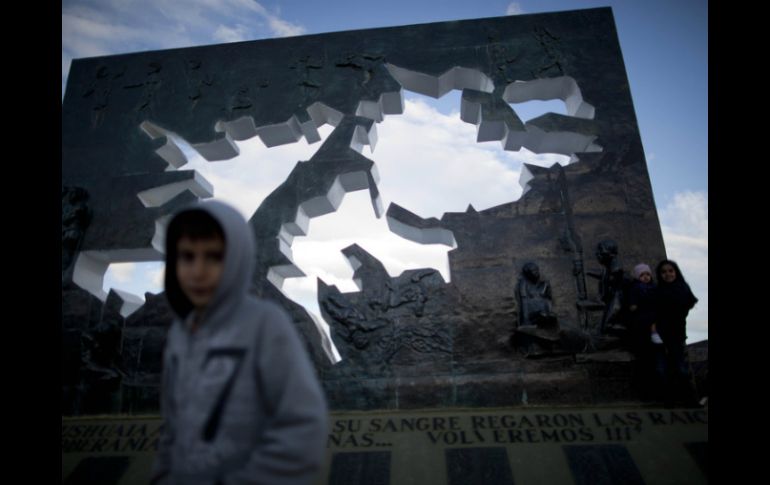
<point>674,300</point>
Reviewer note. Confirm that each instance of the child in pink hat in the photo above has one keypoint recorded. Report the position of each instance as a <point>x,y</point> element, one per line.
<point>644,340</point>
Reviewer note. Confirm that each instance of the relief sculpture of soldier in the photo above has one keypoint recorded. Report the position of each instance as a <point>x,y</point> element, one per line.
<point>75,216</point>
<point>611,282</point>
<point>354,326</point>
<point>538,327</point>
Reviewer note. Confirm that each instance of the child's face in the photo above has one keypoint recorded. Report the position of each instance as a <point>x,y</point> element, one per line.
<point>645,277</point>
<point>668,273</point>
<point>199,265</point>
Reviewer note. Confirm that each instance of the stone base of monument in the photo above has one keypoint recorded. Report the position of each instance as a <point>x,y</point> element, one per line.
<point>598,378</point>
<point>498,446</point>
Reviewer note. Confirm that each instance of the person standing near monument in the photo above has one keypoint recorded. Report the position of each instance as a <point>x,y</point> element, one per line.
<point>641,307</point>
<point>674,300</point>
<point>642,335</point>
<point>240,400</point>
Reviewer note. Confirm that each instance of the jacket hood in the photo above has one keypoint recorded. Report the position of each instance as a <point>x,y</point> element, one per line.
<point>238,264</point>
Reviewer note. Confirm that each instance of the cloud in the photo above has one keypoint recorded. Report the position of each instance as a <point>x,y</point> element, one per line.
<point>684,222</point>
<point>688,213</point>
<point>228,34</point>
<point>156,277</point>
<point>514,8</point>
<point>86,33</point>
<point>135,278</point>
<point>430,163</point>
<point>282,28</point>
<point>122,272</point>
<point>89,24</point>
<point>278,26</point>
<point>678,240</point>
<point>355,223</point>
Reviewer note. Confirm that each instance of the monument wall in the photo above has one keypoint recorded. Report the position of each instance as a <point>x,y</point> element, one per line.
<point>408,342</point>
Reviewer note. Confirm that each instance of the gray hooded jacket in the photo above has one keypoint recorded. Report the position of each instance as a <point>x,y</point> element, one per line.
<point>240,400</point>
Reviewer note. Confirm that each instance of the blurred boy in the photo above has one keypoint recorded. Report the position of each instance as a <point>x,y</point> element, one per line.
<point>240,400</point>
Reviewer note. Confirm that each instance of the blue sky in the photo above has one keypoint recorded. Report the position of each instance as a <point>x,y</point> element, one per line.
<point>665,49</point>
